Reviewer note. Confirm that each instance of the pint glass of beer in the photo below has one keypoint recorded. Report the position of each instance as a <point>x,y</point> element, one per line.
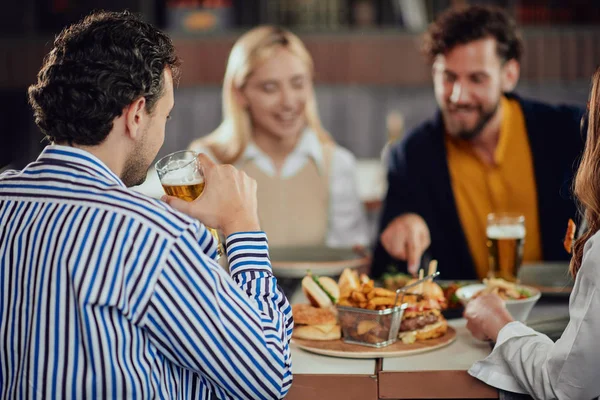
<point>505,241</point>
<point>181,176</point>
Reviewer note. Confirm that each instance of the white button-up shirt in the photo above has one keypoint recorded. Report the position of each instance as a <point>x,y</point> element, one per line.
<point>525,361</point>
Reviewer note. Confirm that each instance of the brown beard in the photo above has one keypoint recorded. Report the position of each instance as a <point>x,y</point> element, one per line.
<point>484,118</point>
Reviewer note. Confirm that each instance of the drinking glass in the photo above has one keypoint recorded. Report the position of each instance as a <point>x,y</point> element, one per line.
<point>181,176</point>
<point>505,241</point>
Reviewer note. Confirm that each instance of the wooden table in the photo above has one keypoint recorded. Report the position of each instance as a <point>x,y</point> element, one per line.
<point>319,377</point>
<point>440,374</point>
<point>410,377</point>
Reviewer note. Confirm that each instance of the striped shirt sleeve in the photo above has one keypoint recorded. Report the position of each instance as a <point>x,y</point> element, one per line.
<point>208,245</point>
<point>234,332</point>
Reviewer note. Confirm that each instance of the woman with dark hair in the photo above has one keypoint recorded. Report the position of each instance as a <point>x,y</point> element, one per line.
<point>526,361</point>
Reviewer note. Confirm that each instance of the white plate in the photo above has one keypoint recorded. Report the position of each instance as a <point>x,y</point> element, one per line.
<point>519,309</point>
<point>294,262</point>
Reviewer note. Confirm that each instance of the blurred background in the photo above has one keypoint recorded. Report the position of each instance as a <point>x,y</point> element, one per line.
<point>371,80</point>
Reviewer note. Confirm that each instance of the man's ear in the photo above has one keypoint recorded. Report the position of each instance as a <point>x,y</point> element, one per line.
<point>135,117</point>
<point>510,75</point>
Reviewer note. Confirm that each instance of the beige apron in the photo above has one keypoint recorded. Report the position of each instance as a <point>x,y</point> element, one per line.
<point>294,211</point>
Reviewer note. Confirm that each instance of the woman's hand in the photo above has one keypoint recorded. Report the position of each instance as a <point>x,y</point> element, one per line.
<point>486,315</point>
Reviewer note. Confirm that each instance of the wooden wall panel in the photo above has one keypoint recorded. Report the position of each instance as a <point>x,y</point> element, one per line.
<point>568,59</point>
<point>587,60</point>
<point>343,59</point>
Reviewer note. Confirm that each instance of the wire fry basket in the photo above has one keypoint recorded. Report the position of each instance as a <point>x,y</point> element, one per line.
<point>375,328</point>
<point>370,327</point>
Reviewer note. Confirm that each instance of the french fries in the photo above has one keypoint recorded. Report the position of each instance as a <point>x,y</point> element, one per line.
<point>382,301</point>
<point>358,297</point>
<point>381,292</point>
<point>363,327</point>
<point>369,297</point>
<point>345,302</point>
<point>506,290</point>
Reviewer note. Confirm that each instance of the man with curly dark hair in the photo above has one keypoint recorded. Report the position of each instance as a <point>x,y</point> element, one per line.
<point>93,73</point>
<point>486,150</point>
<point>104,292</point>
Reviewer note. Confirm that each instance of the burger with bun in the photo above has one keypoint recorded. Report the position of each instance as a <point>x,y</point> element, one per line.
<point>313,323</point>
<point>422,320</point>
<point>317,320</point>
<point>431,290</point>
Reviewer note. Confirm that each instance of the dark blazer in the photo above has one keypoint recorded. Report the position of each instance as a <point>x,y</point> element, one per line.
<point>419,182</point>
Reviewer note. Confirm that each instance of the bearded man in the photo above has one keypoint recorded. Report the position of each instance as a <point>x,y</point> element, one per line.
<point>486,150</point>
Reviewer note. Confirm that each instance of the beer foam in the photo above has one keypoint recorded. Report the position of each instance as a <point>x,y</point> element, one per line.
<point>181,177</point>
<point>506,231</point>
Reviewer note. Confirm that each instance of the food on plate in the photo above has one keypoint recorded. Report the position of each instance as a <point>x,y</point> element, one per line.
<point>366,314</point>
<point>359,325</point>
<point>450,288</point>
<point>422,320</point>
<point>348,282</point>
<point>506,290</point>
<point>321,291</point>
<point>364,278</point>
<point>366,326</point>
<point>395,280</point>
<point>369,297</point>
<point>317,320</point>
<point>570,235</point>
<point>431,290</point>
<point>315,323</point>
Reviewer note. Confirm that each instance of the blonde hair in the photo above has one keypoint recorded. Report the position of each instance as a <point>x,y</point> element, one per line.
<point>229,140</point>
<point>587,185</point>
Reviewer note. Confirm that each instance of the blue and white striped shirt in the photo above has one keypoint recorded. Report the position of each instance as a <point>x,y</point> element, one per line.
<point>106,293</point>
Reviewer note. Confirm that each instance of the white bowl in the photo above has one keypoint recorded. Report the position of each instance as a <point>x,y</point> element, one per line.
<point>519,309</point>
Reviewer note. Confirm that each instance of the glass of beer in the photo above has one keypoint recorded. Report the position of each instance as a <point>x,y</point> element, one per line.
<point>181,176</point>
<point>505,241</point>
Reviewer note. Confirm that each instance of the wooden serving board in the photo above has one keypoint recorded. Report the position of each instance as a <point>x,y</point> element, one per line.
<point>339,348</point>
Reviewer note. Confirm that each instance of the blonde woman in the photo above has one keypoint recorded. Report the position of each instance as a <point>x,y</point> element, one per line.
<point>307,193</point>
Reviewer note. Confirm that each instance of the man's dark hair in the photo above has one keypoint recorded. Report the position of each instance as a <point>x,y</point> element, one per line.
<point>462,25</point>
<point>98,67</point>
